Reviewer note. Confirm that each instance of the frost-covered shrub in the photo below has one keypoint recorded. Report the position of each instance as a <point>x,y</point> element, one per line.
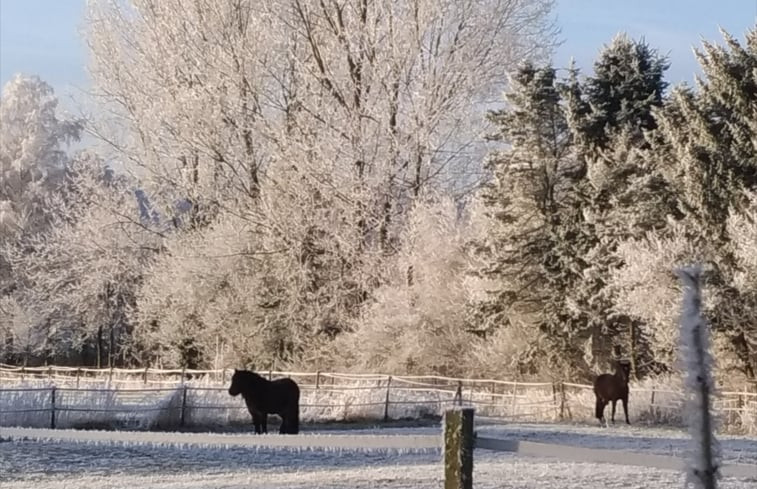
<point>417,322</point>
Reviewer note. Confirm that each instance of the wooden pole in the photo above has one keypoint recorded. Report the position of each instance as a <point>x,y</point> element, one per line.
<point>52,407</point>
<point>514,400</point>
<point>182,420</point>
<point>458,399</point>
<point>386,399</point>
<point>458,448</point>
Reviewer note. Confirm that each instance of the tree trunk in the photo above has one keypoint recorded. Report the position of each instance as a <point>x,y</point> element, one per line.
<point>111,346</point>
<point>99,346</point>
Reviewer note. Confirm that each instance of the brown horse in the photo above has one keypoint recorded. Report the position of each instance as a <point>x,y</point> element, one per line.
<point>610,388</point>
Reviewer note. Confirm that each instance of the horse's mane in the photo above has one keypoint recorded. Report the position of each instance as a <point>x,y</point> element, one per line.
<point>250,376</point>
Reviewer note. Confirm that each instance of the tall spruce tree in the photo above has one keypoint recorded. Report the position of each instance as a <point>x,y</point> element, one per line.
<point>531,249</point>
<point>622,196</point>
<point>707,138</point>
<point>706,147</point>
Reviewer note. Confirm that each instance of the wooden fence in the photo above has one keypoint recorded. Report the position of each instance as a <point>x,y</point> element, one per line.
<point>58,396</point>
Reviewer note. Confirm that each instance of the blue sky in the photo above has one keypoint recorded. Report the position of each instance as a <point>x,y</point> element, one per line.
<point>42,36</point>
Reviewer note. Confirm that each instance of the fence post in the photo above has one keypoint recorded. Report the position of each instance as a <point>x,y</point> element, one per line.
<point>49,372</point>
<point>514,402</point>
<point>78,375</point>
<point>317,379</point>
<point>386,400</point>
<point>52,408</point>
<point>651,406</point>
<point>458,448</point>
<point>562,401</point>
<point>182,420</point>
<point>270,374</point>
<point>110,374</point>
<point>145,376</point>
<point>458,394</point>
<point>554,394</point>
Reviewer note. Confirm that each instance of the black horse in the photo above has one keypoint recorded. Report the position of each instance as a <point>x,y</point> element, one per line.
<point>264,397</point>
<point>610,388</point>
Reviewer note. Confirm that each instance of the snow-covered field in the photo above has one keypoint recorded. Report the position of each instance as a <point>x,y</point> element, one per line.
<point>32,464</point>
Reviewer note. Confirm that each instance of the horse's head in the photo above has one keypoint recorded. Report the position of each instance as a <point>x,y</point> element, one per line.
<point>623,369</point>
<point>236,383</point>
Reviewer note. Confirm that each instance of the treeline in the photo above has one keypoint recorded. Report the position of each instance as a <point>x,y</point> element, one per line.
<point>296,184</point>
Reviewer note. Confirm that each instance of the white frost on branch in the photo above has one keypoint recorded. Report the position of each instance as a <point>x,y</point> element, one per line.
<point>696,362</point>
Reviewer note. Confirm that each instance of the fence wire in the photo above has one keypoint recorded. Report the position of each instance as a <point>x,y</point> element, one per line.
<point>155,398</point>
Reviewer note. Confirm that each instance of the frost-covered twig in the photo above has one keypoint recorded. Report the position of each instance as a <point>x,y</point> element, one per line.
<point>696,362</point>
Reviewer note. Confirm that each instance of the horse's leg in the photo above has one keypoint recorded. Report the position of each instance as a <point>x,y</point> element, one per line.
<point>625,408</point>
<point>600,409</point>
<point>291,422</point>
<point>264,422</point>
<point>294,420</point>
<point>612,418</point>
<point>256,420</point>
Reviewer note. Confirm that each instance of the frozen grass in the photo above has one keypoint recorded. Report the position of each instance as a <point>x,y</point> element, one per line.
<point>29,464</point>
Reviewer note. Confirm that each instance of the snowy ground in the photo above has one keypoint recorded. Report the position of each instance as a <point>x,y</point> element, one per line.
<point>29,464</point>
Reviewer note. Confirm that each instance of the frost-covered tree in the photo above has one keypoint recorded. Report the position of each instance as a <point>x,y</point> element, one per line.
<point>622,196</point>
<point>79,276</point>
<point>32,164</point>
<point>704,150</point>
<point>577,146</point>
<point>529,248</point>
<point>310,125</point>
<point>422,324</point>
<point>707,136</point>
<point>626,83</point>
<point>32,152</point>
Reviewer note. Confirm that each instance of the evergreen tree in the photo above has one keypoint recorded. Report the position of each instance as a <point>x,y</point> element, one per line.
<point>628,81</point>
<point>707,139</point>
<point>530,253</point>
<point>621,196</point>
<point>706,151</point>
